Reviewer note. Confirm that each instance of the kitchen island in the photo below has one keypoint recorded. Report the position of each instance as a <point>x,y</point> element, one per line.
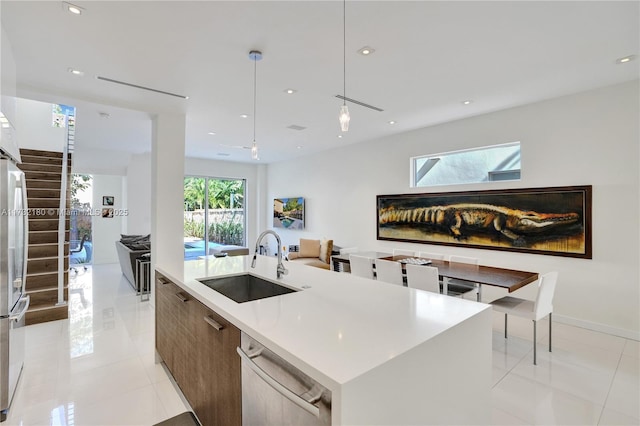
<point>389,354</point>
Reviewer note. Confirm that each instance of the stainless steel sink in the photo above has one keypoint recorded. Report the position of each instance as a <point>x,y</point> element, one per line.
<point>245,288</point>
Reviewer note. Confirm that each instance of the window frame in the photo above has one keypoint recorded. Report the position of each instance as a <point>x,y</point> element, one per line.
<point>413,169</point>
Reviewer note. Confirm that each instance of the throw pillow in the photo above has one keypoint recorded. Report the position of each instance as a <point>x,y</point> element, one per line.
<point>125,239</point>
<point>309,248</point>
<point>326,247</point>
<point>139,246</point>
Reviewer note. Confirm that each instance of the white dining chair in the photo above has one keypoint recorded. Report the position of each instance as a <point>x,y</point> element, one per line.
<point>432,256</point>
<point>533,310</point>
<point>461,287</point>
<point>423,278</point>
<point>340,266</point>
<point>349,250</point>
<point>389,271</point>
<point>361,266</point>
<point>403,252</point>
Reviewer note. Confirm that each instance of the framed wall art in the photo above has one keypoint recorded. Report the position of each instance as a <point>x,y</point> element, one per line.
<point>107,213</point>
<point>553,221</point>
<point>288,213</point>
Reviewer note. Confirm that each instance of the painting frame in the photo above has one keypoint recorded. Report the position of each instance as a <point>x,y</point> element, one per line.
<point>108,200</point>
<point>107,212</point>
<point>289,213</point>
<point>552,221</point>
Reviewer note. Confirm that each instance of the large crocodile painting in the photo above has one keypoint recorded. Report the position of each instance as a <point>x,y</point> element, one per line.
<point>540,220</point>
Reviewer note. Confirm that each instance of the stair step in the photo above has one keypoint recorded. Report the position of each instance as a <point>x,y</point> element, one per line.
<point>38,316</point>
<point>42,184</point>
<point>44,281</point>
<point>51,176</point>
<point>36,159</point>
<point>40,153</point>
<point>46,237</point>
<point>37,203</point>
<point>46,265</point>
<point>37,251</point>
<point>44,213</point>
<point>49,168</point>
<point>44,193</point>
<point>45,298</point>
<point>37,223</point>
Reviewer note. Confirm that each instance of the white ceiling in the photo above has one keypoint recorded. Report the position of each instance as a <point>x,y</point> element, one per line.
<point>429,57</point>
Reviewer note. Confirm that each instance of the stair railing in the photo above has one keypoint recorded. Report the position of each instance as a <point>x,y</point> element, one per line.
<point>62,211</point>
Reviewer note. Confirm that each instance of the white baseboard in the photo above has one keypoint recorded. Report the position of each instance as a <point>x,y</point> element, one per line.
<point>620,332</point>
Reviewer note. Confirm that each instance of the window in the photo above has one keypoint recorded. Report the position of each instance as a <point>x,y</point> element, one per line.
<point>216,205</point>
<point>485,164</point>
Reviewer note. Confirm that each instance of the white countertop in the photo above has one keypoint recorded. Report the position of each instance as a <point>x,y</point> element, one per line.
<point>341,327</point>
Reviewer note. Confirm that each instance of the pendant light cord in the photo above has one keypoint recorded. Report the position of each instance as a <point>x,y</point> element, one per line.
<point>344,51</point>
<point>255,68</point>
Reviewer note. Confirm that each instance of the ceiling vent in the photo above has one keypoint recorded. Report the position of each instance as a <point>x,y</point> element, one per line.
<point>353,101</point>
<point>296,127</point>
<point>162,92</point>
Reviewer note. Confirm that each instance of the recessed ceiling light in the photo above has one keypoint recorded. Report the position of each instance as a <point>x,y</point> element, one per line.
<point>467,102</point>
<point>366,50</point>
<point>339,136</point>
<point>625,59</point>
<point>244,115</point>
<point>75,71</point>
<point>299,146</point>
<point>290,91</point>
<point>72,8</point>
<point>211,133</point>
<point>392,122</point>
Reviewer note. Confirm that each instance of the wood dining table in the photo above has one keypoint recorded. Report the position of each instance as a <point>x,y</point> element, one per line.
<point>509,279</point>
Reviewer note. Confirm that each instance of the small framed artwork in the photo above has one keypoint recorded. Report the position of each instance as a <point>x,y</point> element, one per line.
<point>107,212</point>
<point>107,200</point>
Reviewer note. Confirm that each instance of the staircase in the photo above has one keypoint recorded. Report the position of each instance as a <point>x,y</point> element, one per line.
<point>43,171</point>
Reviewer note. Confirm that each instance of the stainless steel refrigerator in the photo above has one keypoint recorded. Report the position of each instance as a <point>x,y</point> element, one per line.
<point>13,268</point>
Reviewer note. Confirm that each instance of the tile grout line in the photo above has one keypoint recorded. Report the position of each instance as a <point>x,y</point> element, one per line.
<point>604,405</point>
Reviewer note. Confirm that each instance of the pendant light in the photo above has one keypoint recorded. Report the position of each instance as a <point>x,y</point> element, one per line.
<point>344,116</point>
<point>255,56</point>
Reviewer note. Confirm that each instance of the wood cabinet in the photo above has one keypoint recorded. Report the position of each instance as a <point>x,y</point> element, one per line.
<point>199,348</point>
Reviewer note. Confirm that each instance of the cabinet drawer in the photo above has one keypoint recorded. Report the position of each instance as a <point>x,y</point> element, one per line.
<point>176,299</point>
<point>199,348</point>
<point>220,402</point>
<point>175,341</point>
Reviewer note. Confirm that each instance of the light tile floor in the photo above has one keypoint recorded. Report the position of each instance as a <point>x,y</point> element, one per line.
<point>98,368</point>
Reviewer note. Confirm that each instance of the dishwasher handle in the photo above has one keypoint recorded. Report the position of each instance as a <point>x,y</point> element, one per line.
<point>279,387</point>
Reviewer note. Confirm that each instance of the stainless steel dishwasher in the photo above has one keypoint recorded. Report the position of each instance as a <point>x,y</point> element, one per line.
<point>276,393</point>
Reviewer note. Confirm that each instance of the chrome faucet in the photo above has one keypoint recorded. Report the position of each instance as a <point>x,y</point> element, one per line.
<point>280,270</point>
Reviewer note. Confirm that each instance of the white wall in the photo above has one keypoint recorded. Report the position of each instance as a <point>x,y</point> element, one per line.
<point>106,231</point>
<point>139,194</point>
<point>167,189</point>
<point>102,161</point>
<point>590,138</point>
<point>8,103</point>
<point>255,179</point>
<point>34,127</point>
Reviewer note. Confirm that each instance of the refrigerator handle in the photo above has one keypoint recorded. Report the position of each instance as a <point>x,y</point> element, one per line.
<point>18,316</point>
<point>25,228</point>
